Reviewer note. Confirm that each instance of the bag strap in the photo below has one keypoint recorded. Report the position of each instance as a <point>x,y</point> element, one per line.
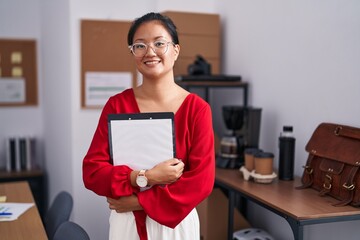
<point>355,204</point>
<point>345,131</point>
<point>327,184</point>
<point>308,174</point>
<point>350,186</point>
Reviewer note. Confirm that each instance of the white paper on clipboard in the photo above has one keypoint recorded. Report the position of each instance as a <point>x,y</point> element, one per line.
<point>141,140</point>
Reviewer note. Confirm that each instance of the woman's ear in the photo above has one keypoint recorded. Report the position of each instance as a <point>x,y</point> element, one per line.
<point>176,51</point>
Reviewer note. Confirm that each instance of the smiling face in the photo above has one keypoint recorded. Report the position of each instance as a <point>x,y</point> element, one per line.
<point>153,65</point>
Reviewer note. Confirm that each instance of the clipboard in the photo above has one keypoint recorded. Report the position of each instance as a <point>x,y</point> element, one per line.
<point>141,140</point>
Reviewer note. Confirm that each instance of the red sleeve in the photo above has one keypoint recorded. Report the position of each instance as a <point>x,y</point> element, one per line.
<point>99,175</point>
<point>170,204</point>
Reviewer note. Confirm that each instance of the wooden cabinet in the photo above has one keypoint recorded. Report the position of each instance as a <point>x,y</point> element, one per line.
<point>37,182</point>
<point>199,34</point>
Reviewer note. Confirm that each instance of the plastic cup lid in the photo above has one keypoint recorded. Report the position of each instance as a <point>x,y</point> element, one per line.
<point>264,155</point>
<point>252,151</point>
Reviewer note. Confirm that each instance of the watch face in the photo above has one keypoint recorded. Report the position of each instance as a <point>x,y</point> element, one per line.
<point>141,181</point>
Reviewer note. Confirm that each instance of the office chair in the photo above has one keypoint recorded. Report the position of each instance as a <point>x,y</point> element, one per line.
<point>70,231</point>
<point>58,213</point>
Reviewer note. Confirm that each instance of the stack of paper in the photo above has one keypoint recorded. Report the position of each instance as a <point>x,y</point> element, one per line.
<point>141,140</point>
<point>12,211</point>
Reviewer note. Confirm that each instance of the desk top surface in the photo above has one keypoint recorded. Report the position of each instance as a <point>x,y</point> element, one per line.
<point>29,224</point>
<point>281,195</point>
<point>21,174</point>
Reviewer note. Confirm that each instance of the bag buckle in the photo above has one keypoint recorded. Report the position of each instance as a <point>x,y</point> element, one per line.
<point>327,184</point>
<point>348,187</point>
<point>337,130</point>
<point>308,169</point>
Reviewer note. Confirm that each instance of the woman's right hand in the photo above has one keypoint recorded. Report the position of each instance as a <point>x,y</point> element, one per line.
<point>165,172</point>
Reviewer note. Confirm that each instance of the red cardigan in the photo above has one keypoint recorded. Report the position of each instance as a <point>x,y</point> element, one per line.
<point>167,205</point>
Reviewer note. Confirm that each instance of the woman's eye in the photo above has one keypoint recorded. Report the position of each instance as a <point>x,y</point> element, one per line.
<point>140,46</point>
<point>159,44</point>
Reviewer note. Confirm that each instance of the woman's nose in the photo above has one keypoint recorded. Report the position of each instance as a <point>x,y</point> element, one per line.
<point>150,50</point>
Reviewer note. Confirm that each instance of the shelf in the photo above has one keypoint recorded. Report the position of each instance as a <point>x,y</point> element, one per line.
<point>15,174</point>
<point>216,84</point>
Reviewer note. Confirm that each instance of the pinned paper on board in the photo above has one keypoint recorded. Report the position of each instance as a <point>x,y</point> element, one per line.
<point>17,72</point>
<point>2,199</point>
<point>12,90</point>
<point>99,86</point>
<point>16,57</point>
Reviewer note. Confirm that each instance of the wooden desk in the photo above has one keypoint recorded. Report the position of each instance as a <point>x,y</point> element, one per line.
<point>37,181</point>
<point>298,207</point>
<point>29,225</point>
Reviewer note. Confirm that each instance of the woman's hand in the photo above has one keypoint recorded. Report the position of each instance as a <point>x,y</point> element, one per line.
<point>124,204</point>
<point>165,172</point>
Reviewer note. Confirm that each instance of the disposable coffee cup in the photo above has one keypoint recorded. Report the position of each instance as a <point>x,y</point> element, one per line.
<point>264,163</point>
<point>249,155</point>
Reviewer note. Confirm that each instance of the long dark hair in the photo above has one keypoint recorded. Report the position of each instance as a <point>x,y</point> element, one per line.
<point>164,20</point>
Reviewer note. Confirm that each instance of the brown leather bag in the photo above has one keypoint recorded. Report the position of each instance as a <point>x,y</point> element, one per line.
<point>333,163</point>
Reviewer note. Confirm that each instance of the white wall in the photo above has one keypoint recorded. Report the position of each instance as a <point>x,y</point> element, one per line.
<point>21,20</point>
<point>300,58</point>
<point>57,91</point>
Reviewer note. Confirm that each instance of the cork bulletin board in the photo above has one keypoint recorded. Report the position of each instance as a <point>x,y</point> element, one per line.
<point>105,60</point>
<point>18,73</point>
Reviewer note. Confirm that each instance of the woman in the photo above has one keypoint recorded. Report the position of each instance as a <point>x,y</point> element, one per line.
<point>167,209</point>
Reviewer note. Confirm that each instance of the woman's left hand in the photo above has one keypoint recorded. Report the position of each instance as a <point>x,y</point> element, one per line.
<point>124,204</point>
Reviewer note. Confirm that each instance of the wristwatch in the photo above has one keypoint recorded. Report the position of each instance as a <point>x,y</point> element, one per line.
<point>141,179</point>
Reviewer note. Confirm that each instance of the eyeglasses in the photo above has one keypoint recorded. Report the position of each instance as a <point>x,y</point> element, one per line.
<point>140,49</point>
